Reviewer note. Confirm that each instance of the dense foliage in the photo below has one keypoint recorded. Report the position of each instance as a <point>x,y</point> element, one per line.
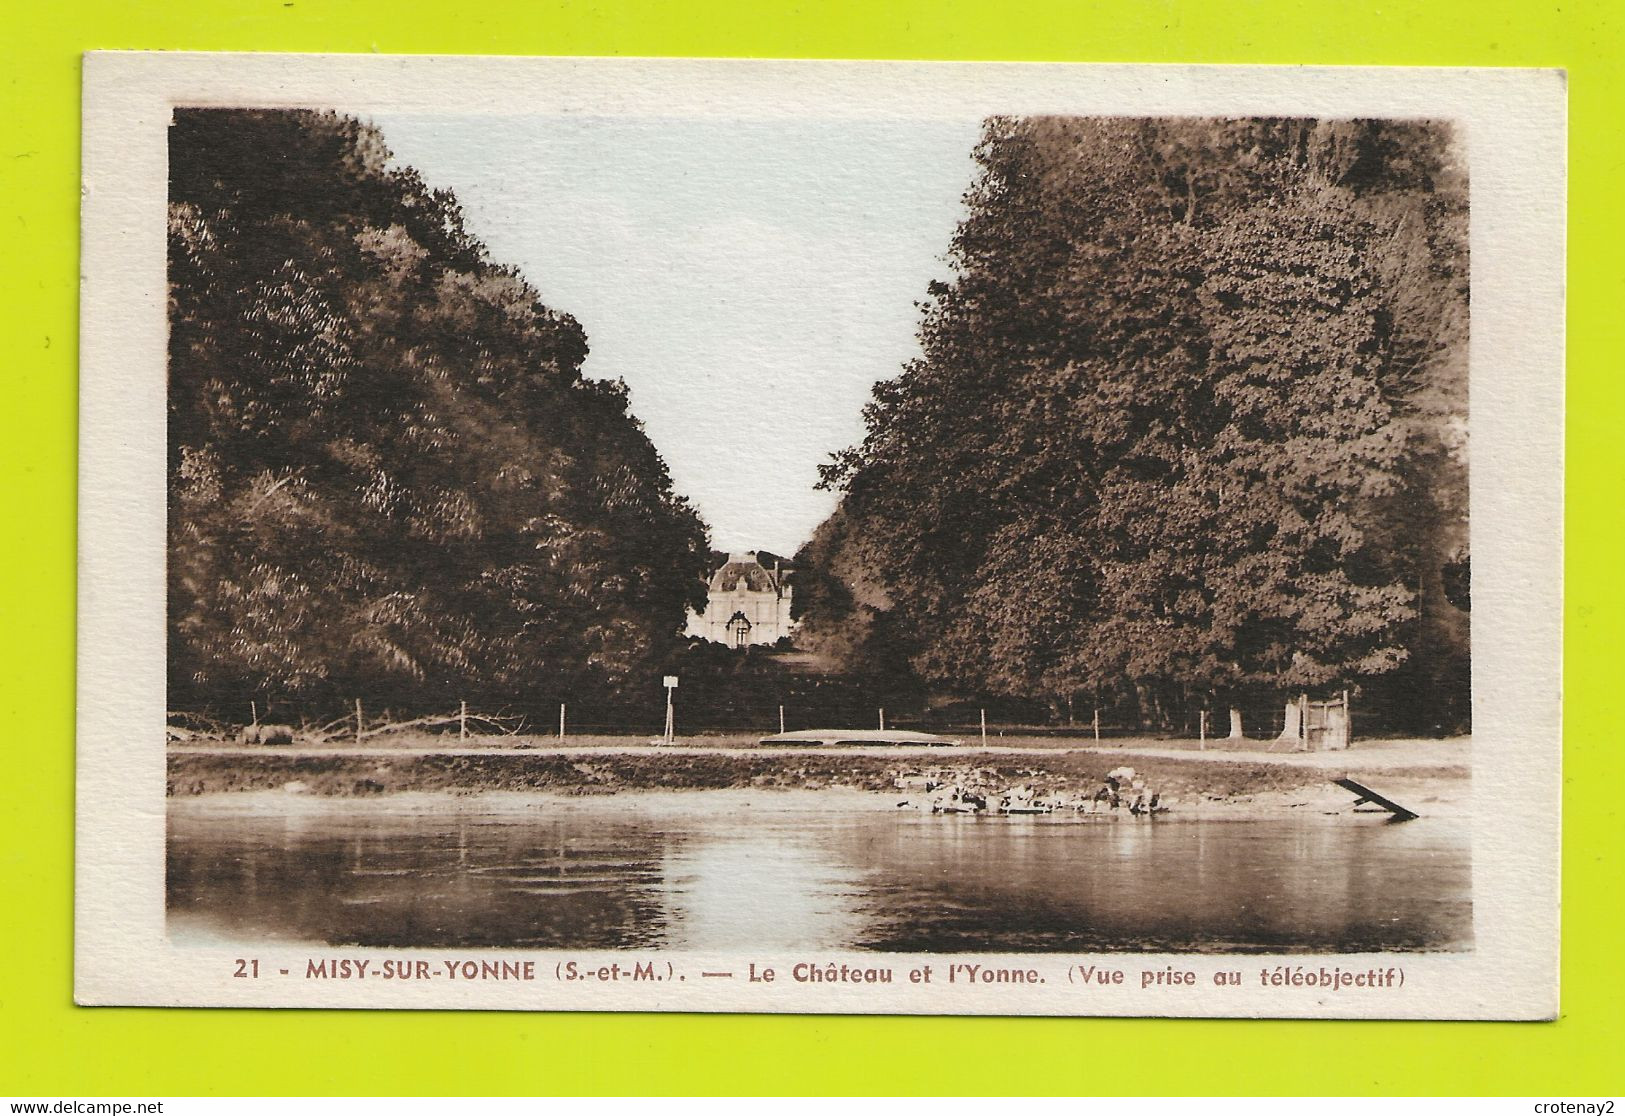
<point>1189,425</point>
<point>387,475</point>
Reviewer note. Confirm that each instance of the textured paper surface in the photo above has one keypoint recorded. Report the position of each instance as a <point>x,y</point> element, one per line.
<point>1514,128</point>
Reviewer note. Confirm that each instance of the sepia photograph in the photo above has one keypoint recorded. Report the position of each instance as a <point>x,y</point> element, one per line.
<point>993,546</point>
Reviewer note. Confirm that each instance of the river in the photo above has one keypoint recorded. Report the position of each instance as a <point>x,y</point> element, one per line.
<point>720,871</point>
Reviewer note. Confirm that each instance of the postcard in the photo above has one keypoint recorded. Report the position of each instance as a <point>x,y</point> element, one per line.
<point>706,535</point>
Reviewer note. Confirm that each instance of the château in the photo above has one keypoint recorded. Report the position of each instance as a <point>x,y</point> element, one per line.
<point>747,604</point>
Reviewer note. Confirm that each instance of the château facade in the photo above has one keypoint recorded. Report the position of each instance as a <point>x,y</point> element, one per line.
<point>747,604</point>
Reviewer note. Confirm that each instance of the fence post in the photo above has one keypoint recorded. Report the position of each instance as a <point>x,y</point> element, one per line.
<point>1201,728</point>
<point>781,720</point>
<point>358,722</point>
<point>984,728</point>
<point>1097,724</point>
<point>883,720</point>
<point>254,713</point>
<point>561,722</point>
<point>462,720</point>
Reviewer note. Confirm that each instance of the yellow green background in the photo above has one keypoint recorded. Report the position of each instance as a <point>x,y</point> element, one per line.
<point>50,1048</point>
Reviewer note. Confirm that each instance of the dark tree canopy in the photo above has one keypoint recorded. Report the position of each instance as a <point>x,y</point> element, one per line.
<point>387,475</point>
<point>1190,420</point>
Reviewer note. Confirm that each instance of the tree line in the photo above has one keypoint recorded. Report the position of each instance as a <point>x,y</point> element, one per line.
<point>1188,427</point>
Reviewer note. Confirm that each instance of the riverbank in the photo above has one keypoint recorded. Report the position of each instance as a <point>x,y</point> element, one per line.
<point>1432,777</point>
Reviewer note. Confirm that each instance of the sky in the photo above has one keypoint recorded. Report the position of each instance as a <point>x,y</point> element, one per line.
<point>749,280</point>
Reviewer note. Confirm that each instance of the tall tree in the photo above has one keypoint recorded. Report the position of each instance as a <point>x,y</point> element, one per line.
<point>387,473</point>
<point>1187,421</point>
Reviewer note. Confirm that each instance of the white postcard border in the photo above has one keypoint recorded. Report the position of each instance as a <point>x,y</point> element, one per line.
<point>1514,122</point>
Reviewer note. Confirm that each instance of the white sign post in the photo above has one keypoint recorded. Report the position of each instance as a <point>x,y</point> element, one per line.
<point>671,686</point>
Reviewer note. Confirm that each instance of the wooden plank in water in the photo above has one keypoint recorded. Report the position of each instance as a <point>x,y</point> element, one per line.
<point>1366,794</point>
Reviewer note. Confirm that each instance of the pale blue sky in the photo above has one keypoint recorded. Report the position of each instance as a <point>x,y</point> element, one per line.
<point>749,280</point>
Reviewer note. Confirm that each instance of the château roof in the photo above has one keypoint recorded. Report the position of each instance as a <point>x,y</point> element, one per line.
<point>745,567</point>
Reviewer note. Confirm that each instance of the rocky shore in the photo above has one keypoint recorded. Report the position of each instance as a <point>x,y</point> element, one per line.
<point>1188,784</point>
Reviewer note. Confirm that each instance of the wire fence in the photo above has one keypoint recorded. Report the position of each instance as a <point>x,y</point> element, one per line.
<point>707,718</point>
<point>276,723</point>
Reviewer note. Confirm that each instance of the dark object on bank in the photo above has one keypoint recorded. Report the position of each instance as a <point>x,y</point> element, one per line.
<point>1366,794</point>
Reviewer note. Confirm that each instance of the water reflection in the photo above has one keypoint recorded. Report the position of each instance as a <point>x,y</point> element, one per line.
<point>1332,885</point>
<point>738,893</point>
<point>601,875</point>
